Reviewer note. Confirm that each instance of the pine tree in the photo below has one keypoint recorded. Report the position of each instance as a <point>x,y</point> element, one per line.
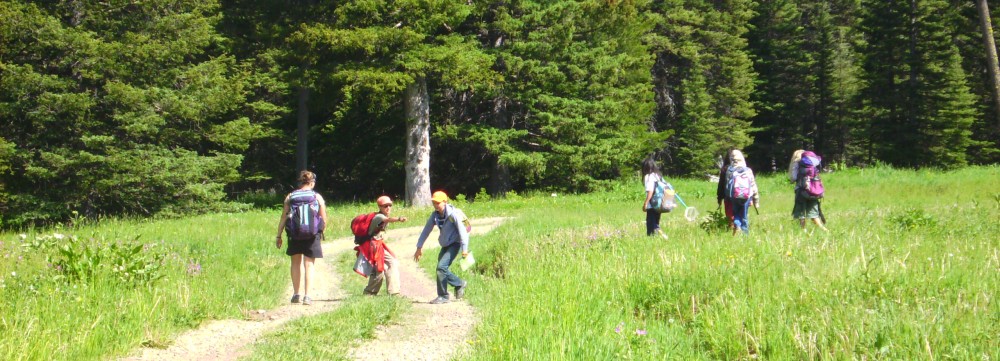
<point>118,109</point>
<point>575,91</point>
<point>703,78</point>
<point>805,57</point>
<point>920,107</point>
<point>969,37</point>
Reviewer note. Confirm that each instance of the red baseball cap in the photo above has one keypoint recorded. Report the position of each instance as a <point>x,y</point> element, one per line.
<point>383,200</point>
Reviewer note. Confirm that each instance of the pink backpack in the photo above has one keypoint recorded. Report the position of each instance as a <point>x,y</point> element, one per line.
<point>810,185</point>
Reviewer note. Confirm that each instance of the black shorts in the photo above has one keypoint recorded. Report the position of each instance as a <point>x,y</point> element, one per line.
<point>311,249</point>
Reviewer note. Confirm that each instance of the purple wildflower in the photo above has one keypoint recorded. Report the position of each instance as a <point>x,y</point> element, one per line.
<point>640,332</point>
<point>194,268</point>
<point>619,328</point>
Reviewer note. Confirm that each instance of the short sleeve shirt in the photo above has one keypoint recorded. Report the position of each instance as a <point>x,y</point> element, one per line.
<point>377,227</point>
<point>650,181</point>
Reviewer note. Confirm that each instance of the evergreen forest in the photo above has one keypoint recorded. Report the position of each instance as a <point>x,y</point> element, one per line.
<point>173,107</point>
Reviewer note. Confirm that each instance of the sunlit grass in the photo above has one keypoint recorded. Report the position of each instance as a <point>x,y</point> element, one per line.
<point>909,270</point>
<point>576,278</point>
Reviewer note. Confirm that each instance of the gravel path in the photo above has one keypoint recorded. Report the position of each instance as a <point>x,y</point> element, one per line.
<point>430,332</point>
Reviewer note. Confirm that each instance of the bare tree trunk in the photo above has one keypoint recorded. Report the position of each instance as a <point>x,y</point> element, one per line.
<point>77,13</point>
<point>302,139</point>
<point>991,52</point>
<point>418,144</point>
<point>499,182</point>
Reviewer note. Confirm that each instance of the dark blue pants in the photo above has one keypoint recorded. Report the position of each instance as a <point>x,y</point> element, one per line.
<point>444,275</point>
<point>652,221</point>
<point>740,219</point>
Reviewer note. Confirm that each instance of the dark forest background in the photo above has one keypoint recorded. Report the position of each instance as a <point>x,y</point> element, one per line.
<point>169,107</point>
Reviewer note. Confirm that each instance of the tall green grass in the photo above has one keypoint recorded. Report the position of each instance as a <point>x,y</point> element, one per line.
<point>908,271</point>
<point>208,267</point>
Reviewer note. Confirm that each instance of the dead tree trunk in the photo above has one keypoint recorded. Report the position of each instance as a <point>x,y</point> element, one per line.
<point>499,182</point>
<point>418,144</point>
<point>302,138</point>
<point>991,52</point>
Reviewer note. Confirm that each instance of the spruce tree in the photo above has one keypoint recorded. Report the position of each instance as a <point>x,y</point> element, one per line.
<point>575,91</point>
<point>118,110</point>
<point>805,56</point>
<point>703,79</point>
<point>916,94</point>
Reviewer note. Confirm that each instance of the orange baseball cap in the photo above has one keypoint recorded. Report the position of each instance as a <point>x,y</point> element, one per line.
<point>383,200</point>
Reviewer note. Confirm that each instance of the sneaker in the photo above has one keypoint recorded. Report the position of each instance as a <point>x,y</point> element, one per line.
<point>439,300</point>
<point>295,298</point>
<point>307,301</point>
<point>460,291</point>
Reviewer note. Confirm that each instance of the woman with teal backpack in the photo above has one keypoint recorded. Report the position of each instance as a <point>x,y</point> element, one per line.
<point>650,176</point>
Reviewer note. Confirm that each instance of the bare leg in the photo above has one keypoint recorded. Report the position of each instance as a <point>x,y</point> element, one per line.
<point>802,223</point>
<point>309,261</point>
<point>819,223</point>
<point>296,272</point>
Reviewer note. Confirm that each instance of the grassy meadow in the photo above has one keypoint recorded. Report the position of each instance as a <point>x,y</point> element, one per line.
<point>909,270</point>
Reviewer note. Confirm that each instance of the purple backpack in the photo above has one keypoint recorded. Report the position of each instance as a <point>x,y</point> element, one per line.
<point>304,221</point>
<point>740,184</point>
<point>810,185</point>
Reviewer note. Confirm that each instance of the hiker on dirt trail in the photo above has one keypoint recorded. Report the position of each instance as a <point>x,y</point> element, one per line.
<point>720,192</point>
<point>799,174</point>
<point>379,254</point>
<point>741,189</point>
<point>303,216</point>
<point>454,237</point>
<point>650,176</point>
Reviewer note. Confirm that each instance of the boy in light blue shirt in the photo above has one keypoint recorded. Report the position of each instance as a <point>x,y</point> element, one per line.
<point>454,237</point>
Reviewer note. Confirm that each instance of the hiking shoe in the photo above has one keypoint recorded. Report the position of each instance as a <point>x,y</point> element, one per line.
<point>460,291</point>
<point>295,298</point>
<point>439,300</point>
<point>307,301</point>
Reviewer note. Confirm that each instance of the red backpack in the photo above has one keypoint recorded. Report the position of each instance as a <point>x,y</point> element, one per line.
<point>360,225</point>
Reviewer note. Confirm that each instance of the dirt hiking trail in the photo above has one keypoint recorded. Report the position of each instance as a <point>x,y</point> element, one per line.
<point>428,332</point>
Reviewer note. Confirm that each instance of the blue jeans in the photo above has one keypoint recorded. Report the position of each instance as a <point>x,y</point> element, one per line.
<point>444,275</point>
<point>740,219</point>
<point>652,221</point>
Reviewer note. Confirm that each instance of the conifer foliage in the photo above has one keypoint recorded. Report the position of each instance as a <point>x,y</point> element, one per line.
<point>168,107</point>
<point>916,93</point>
<point>117,108</point>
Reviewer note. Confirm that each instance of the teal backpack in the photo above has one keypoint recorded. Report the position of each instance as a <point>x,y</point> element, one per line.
<point>663,197</point>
